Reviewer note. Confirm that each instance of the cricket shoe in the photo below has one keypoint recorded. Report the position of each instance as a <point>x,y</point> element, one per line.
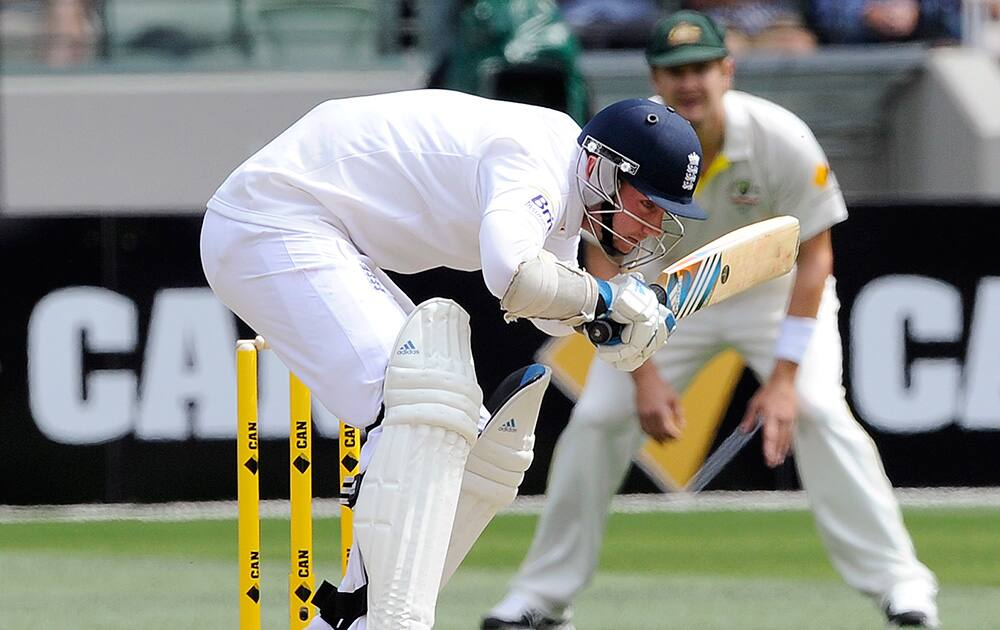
<point>529,620</point>
<point>911,605</point>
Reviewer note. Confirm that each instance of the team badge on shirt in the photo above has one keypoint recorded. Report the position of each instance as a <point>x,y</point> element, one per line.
<point>744,192</point>
<point>541,208</point>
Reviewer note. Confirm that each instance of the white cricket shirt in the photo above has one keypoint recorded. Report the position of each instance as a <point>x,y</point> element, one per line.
<point>409,178</point>
<point>770,165</point>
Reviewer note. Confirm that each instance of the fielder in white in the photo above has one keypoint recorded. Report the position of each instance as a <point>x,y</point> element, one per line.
<point>763,162</point>
<point>295,242</point>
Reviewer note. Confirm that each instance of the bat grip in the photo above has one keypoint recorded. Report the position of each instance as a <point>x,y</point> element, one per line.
<point>601,331</point>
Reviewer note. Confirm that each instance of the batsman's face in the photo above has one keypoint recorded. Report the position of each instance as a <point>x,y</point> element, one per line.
<point>642,219</point>
<point>695,90</point>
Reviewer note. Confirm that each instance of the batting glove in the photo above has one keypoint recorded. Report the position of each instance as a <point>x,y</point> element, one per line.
<point>646,323</point>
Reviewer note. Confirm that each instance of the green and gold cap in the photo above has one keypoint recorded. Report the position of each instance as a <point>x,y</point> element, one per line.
<point>686,37</point>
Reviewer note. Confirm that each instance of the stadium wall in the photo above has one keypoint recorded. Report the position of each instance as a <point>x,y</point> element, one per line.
<point>893,121</point>
<point>126,144</point>
<point>946,128</point>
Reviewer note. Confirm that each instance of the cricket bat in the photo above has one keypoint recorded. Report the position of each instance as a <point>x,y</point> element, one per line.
<point>728,450</point>
<point>730,264</point>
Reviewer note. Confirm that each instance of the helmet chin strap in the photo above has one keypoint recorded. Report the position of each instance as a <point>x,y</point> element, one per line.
<point>607,239</point>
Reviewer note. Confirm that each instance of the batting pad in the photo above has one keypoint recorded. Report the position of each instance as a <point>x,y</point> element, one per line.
<point>406,505</point>
<point>497,463</point>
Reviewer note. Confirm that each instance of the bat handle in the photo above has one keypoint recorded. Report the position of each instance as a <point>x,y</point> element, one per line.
<point>601,331</point>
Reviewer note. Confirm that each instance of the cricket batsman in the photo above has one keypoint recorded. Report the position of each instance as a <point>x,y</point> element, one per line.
<point>296,241</point>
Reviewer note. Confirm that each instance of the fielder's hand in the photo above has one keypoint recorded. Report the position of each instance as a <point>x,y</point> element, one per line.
<point>775,405</point>
<point>646,323</point>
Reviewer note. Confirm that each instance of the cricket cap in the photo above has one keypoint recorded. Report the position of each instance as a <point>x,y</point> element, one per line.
<point>686,37</point>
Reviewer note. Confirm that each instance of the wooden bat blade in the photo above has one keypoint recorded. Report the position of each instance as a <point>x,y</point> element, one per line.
<point>731,264</point>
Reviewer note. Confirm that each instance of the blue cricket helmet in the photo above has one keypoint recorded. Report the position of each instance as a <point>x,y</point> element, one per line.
<point>654,148</point>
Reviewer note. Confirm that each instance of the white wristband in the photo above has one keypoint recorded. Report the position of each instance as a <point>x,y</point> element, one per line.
<point>793,339</point>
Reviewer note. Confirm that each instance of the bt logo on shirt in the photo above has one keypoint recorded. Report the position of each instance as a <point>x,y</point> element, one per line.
<point>539,206</point>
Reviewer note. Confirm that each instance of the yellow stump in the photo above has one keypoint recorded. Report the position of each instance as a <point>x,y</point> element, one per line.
<point>350,457</point>
<point>248,488</point>
<point>300,577</point>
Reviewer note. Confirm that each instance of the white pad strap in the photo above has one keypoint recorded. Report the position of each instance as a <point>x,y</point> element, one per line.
<point>546,288</point>
<point>496,465</point>
<point>406,505</point>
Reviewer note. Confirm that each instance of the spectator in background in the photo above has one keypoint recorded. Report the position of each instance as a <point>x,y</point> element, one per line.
<point>873,21</point>
<point>760,25</point>
<point>439,21</point>
<point>71,30</point>
<point>512,51</point>
<point>56,32</point>
<point>611,23</point>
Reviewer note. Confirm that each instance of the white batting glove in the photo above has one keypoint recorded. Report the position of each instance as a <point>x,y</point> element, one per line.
<point>647,323</point>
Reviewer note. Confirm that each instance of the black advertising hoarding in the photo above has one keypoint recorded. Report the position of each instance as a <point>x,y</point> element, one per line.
<point>117,371</point>
<point>920,315</point>
<point>117,367</point>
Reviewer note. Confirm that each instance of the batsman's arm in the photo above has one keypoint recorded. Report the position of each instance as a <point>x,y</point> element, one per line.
<point>531,282</point>
<point>557,293</point>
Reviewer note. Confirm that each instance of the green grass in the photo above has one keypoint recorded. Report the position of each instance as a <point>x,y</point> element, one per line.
<point>699,570</point>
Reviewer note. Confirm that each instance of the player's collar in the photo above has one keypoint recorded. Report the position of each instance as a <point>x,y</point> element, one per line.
<point>736,146</point>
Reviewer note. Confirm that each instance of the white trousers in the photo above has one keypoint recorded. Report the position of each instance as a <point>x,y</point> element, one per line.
<point>327,311</point>
<point>329,314</point>
<point>851,499</point>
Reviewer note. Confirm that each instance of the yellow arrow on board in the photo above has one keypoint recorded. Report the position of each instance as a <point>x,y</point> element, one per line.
<point>673,463</point>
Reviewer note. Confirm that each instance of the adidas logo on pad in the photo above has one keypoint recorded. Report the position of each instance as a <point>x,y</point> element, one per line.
<point>508,427</point>
<point>407,348</point>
